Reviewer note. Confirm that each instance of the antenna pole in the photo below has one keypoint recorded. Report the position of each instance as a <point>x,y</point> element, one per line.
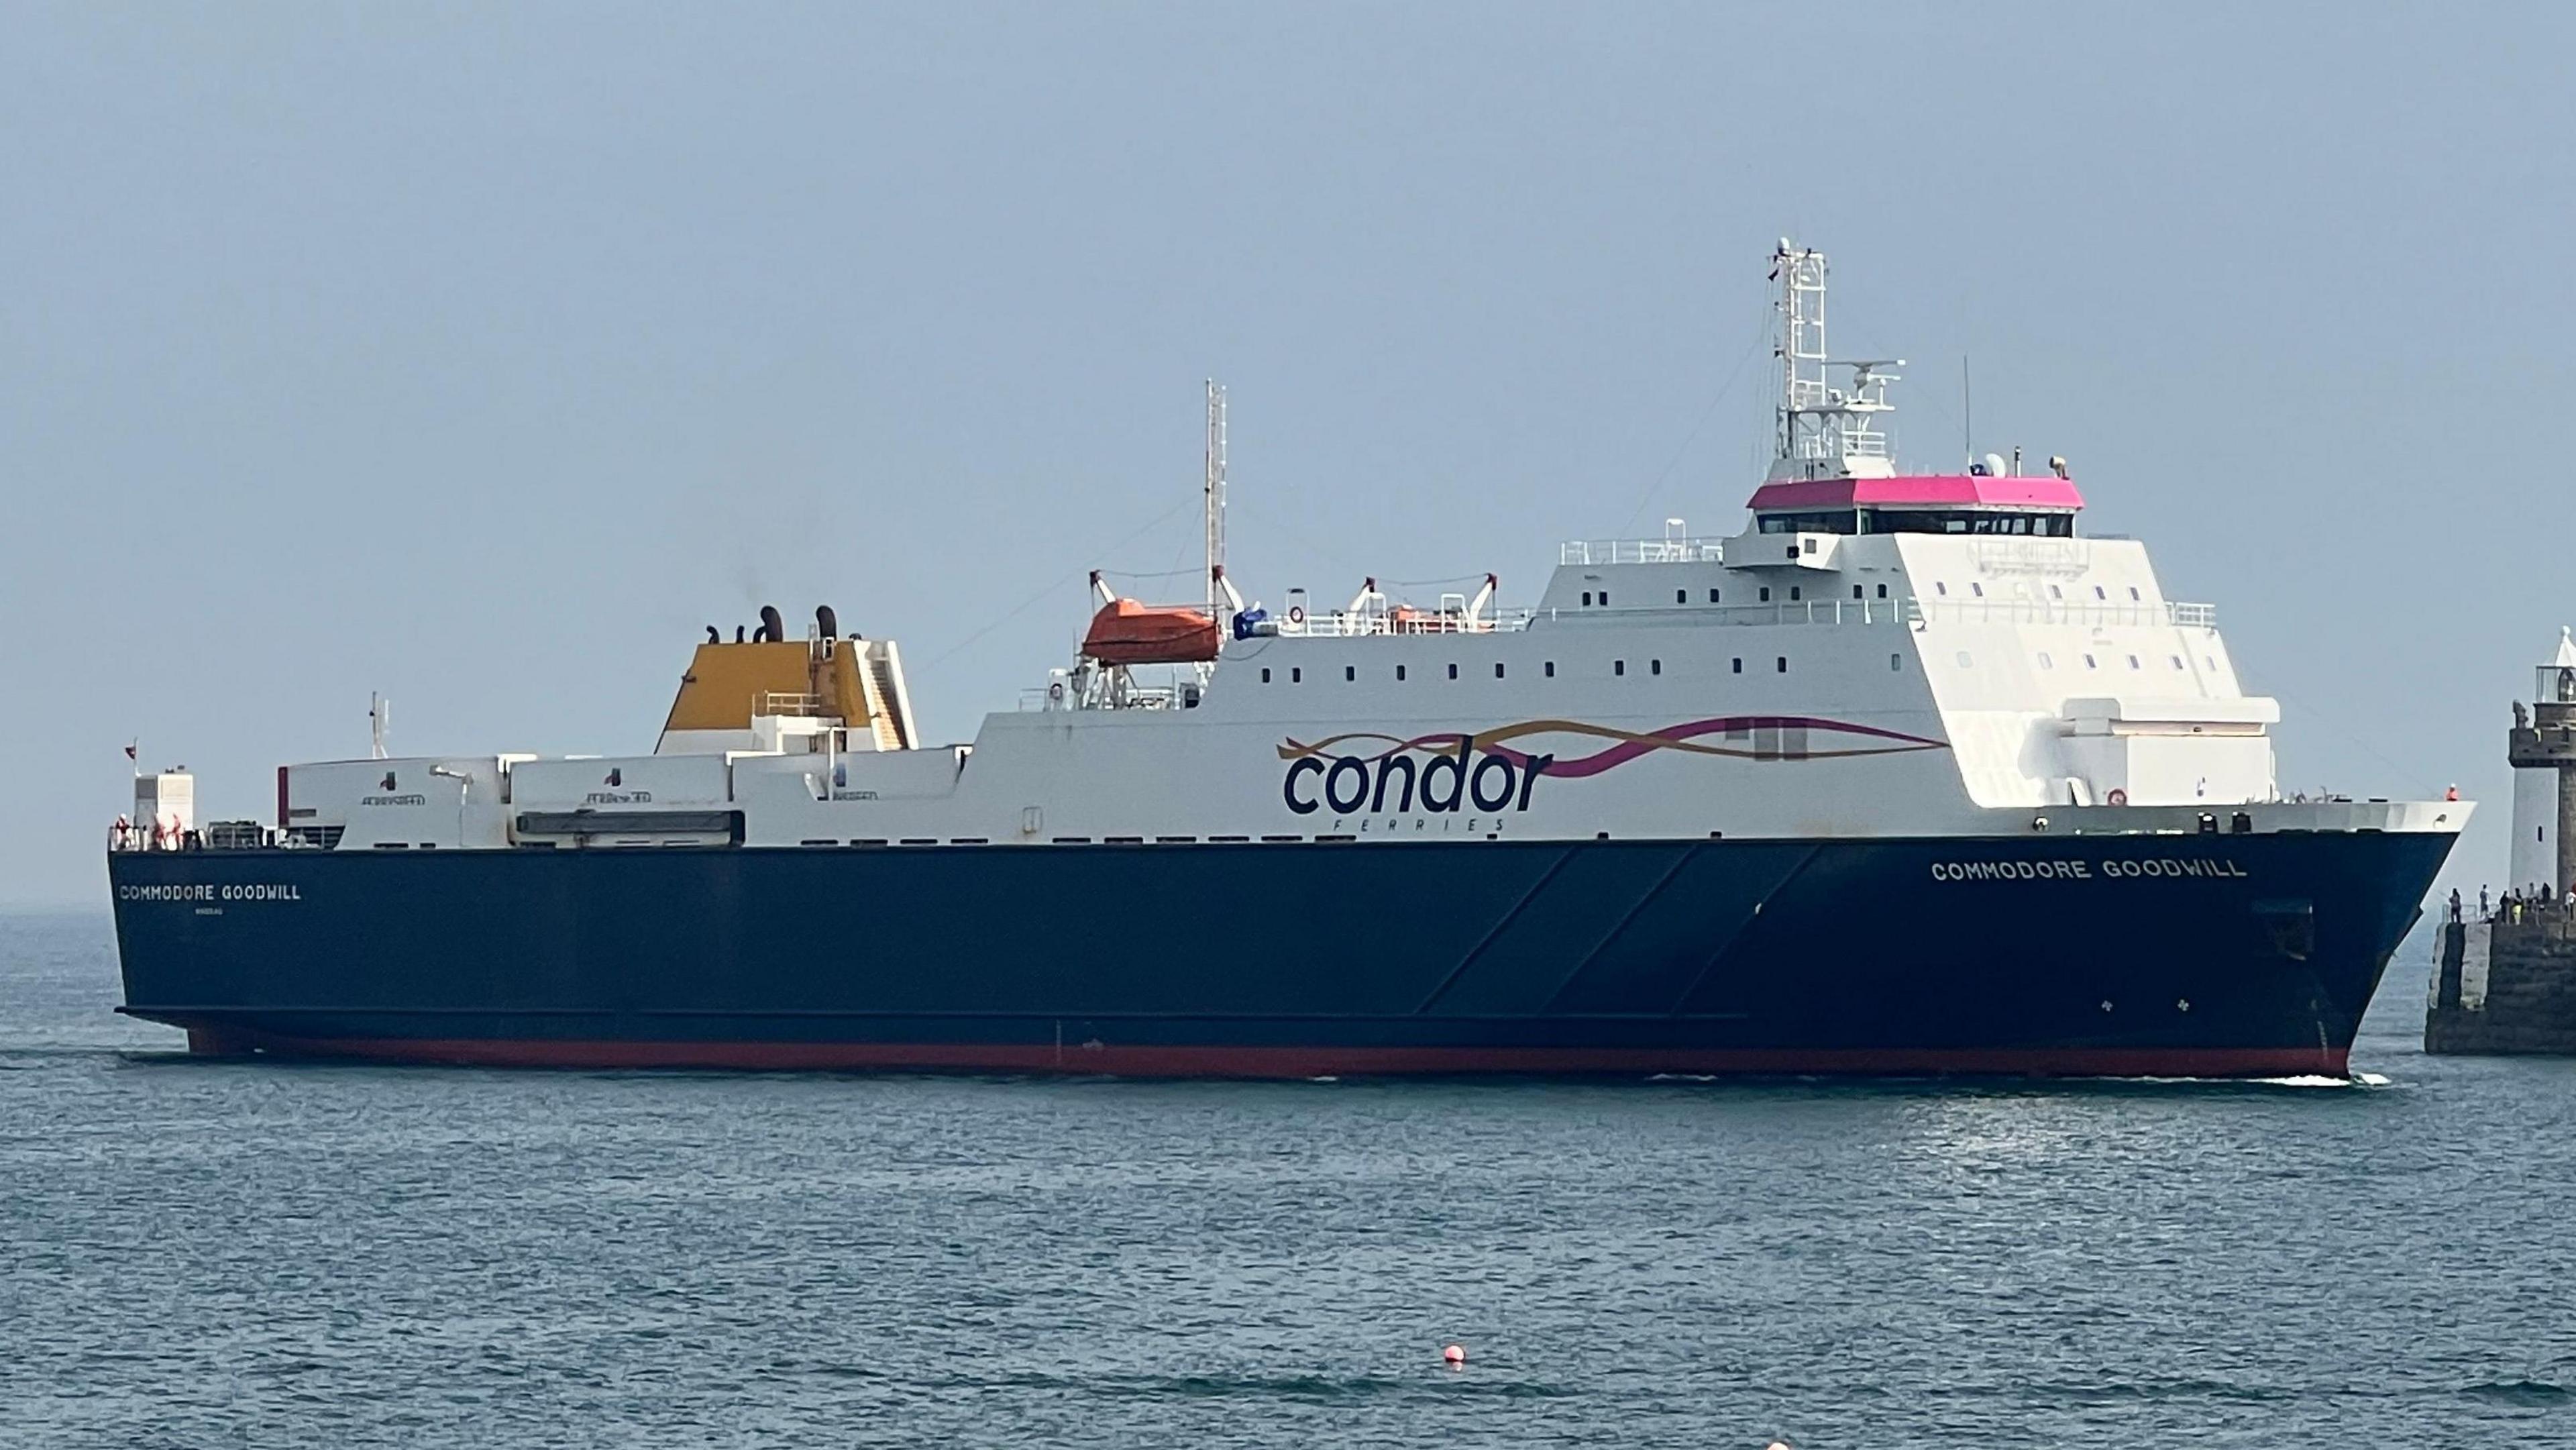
<point>379,715</point>
<point>1215,495</point>
<point>1967,412</point>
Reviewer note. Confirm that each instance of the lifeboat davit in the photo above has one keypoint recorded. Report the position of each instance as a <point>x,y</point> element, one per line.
<point>1126,632</point>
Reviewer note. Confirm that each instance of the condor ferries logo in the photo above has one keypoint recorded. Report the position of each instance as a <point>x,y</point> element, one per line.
<point>393,794</point>
<point>1445,774</point>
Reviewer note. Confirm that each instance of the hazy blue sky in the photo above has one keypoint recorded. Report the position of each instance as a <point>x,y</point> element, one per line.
<point>481,354</point>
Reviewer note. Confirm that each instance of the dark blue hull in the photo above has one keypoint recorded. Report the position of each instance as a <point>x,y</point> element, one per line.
<point>2182,955</point>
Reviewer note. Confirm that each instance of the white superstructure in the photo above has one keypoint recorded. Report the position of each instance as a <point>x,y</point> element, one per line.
<point>1877,653</point>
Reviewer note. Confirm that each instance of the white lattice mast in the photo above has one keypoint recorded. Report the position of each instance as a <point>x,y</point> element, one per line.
<point>1216,592</point>
<point>1825,431</point>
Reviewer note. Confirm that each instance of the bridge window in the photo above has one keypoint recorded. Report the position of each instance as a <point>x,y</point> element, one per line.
<point>1712,596</point>
<point>1882,591</point>
<point>1766,593</point>
<point>1856,592</point>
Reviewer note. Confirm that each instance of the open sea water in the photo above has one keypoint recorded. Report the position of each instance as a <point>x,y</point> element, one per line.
<point>208,1254</point>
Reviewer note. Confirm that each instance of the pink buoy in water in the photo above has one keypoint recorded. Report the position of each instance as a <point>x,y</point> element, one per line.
<point>1454,1355</point>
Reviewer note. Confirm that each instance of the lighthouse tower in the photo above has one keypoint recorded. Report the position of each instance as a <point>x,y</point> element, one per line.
<point>2542,749</point>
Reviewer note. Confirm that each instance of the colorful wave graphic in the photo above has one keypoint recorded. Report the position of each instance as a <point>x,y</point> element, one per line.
<point>1630,745</point>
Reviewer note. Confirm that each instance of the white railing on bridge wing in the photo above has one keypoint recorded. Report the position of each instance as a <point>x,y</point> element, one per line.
<point>1349,622</point>
<point>1640,551</point>
<point>2043,611</point>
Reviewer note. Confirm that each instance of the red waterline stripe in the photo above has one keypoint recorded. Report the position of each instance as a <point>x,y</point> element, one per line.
<point>1296,1062</point>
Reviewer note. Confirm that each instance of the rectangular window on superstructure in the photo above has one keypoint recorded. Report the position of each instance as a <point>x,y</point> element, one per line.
<point>1587,599</point>
<point>1882,591</point>
<point>1793,591</point>
<point>1712,596</point>
<point>1350,672</point>
<point>1605,598</point>
<point>2045,662</point>
<point>2133,591</point>
<point>1654,667</point>
<point>1856,593</point>
<point>1265,674</point>
<point>1681,596</point>
<point>1766,593</point>
<point>1498,669</point>
<point>1551,669</point>
<point>1618,667</point>
<point>1738,667</point>
<point>2177,661</point>
<point>1896,662</point>
<point>1453,672</point>
<point>1297,676</point>
<point>1399,672</point>
<point>1780,665</point>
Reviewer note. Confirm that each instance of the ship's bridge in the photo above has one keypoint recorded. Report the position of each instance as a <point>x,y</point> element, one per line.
<point>1968,503</point>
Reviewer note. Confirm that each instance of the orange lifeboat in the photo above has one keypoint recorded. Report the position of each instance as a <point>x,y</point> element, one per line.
<point>1126,632</point>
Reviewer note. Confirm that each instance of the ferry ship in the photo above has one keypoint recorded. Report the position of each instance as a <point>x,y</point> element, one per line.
<point>1911,775</point>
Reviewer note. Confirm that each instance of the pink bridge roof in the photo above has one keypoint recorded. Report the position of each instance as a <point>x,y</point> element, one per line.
<point>1937,490</point>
